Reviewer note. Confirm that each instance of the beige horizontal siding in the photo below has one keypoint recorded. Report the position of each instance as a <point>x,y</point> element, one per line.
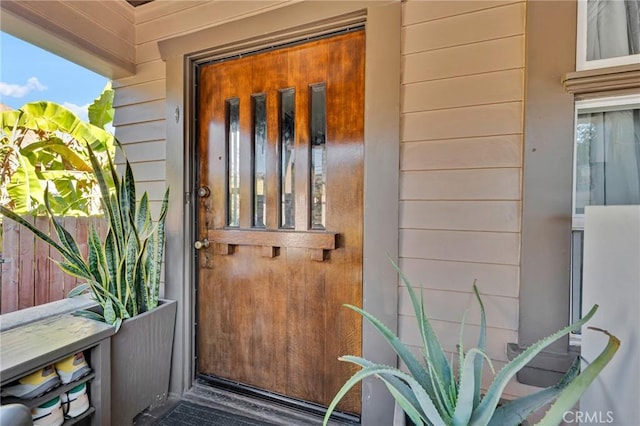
<point>501,312</point>
<point>469,153</point>
<point>198,16</point>
<point>142,132</point>
<point>484,120</point>
<point>465,246</point>
<point>137,93</point>
<point>501,280</point>
<point>146,151</point>
<point>139,113</point>
<point>473,184</point>
<point>418,11</point>
<point>461,167</point>
<point>498,22</point>
<point>147,52</point>
<point>149,171</point>
<point>145,73</point>
<point>155,190</point>
<point>480,89</point>
<point>476,58</point>
<point>498,216</point>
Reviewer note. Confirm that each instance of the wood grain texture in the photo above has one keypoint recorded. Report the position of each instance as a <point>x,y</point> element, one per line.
<point>10,273</point>
<point>299,239</point>
<point>27,275</point>
<point>30,275</point>
<point>274,318</point>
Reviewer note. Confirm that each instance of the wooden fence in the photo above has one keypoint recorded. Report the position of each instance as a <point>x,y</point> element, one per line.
<point>29,277</point>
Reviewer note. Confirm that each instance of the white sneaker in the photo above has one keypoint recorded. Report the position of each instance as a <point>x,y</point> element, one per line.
<point>33,385</point>
<point>72,368</point>
<point>48,414</point>
<point>75,401</point>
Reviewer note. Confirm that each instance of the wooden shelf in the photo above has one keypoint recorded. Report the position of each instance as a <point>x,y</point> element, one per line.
<point>272,241</point>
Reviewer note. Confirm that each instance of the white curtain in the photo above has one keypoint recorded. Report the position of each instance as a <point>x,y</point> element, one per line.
<point>614,158</point>
<point>613,28</point>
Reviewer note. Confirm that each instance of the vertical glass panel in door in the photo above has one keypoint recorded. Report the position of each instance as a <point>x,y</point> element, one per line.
<point>613,28</point>
<point>607,158</point>
<point>259,159</point>
<point>233,162</point>
<point>318,134</point>
<point>287,158</point>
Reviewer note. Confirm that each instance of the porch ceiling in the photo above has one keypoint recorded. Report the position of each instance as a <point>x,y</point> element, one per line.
<point>97,35</point>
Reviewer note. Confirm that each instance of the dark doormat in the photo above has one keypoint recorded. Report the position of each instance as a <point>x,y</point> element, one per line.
<point>189,414</point>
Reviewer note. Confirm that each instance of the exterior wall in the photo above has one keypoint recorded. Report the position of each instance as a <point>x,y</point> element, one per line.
<point>461,167</point>
<point>461,150</point>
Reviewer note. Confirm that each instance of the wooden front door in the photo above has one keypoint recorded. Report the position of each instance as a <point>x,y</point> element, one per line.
<point>280,218</point>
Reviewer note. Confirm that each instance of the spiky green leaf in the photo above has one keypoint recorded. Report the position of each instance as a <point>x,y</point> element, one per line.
<point>571,394</point>
<point>89,314</point>
<point>516,411</point>
<point>79,290</point>
<point>485,410</point>
<point>109,312</point>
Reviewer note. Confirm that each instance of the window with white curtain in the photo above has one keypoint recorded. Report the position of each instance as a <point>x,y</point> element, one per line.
<point>606,167</point>
<point>608,33</point>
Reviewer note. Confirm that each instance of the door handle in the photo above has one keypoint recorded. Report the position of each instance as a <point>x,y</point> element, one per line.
<point>204,243</point>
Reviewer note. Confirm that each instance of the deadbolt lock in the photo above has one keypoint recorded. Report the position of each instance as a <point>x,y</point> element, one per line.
<point>204,192</point>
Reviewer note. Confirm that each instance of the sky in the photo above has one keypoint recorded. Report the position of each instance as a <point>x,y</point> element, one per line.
<point>29,74</point>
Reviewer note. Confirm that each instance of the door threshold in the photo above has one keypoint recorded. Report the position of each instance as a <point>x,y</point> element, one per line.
<point>275,412</point>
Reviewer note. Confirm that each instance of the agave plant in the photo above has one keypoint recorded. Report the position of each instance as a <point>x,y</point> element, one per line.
<point>123,271</point>
<point>430,393</point>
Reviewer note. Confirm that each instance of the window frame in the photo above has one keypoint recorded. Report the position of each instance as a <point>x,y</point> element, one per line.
<point>586,106</point>
<point>581,46</point>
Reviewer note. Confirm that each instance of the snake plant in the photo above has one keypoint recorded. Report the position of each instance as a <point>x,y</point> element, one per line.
<point>122,272</point>
<point>431,393</point>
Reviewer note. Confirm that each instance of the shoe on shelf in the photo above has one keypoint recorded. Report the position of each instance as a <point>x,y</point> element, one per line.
<point>75,401</point>
<point>72,368</point>
<point>48,414</point>
<point>34,384</point>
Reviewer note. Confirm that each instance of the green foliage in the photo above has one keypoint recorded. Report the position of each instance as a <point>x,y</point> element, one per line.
<point>101,110</point>
<point>44,144</point>
<point>430,393</point>
<point>123,272</point>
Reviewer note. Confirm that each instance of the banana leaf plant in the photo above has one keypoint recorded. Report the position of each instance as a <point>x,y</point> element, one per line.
<point>431,393</point>
<point>43,142</point>
<point>123,271</point>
